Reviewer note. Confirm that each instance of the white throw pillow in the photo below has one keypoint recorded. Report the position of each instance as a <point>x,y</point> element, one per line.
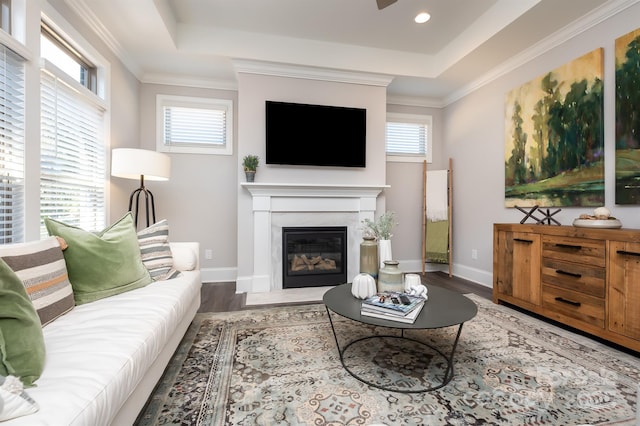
<point>14,401</point>
<point>184,258</point>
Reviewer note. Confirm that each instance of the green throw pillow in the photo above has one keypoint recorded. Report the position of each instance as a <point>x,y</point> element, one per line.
<point>101,264</point>
<point>22,349</point>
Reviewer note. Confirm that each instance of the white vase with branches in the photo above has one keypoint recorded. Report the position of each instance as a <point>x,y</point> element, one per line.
<point>381,229</point>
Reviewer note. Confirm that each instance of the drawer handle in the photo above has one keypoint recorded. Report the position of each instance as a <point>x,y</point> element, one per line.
<point>628,253</point>
<point>571,274</point>
<point>520,240</point>
<point>569,246</point>
<point>568,302</point>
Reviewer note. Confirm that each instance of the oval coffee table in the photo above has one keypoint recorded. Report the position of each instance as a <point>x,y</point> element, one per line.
<point>444,308</point>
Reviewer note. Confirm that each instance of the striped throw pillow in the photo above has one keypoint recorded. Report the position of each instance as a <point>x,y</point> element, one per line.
<point>41,267</point>
<point>156,252</point>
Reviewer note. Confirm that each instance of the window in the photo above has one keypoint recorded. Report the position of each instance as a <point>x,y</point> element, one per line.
<point>194,125</point>
<point>408,137</point>
<point>56,50</point>
<point>5,15</point>
<point>11,147</point>
<point>73,151</point>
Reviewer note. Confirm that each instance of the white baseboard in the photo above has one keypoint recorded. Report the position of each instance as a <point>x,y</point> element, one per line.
<point>478,276</point>
<point>485,278</point>
<point>217,275</point>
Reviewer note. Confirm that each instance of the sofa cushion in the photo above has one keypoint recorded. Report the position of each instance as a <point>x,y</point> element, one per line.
<point>22,349</point>
<point>101,351</point>
<point>156,252</point>
<point>41,267</point>
<point>14,401</point>
<point>101,264</point>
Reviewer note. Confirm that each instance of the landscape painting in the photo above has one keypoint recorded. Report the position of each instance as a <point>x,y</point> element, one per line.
<point>628,118</point>
<point>554,137</point>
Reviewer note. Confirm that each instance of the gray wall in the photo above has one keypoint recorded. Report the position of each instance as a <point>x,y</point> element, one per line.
<point>201,200</point>
<point>474,137</point>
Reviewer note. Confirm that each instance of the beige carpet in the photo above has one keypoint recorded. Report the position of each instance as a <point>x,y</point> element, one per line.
<point>290,295</point>
<point>279,366</point>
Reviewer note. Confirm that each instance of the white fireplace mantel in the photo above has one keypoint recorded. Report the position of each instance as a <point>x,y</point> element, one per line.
<point>260,189</point>
<point>292,200</point>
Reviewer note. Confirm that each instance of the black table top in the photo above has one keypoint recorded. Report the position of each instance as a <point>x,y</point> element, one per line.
<point>444,308</point>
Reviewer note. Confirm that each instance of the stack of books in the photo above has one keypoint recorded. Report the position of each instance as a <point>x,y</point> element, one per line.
<point>393,306</point>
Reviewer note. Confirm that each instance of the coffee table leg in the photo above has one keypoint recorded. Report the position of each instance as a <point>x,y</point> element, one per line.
<point>335,336</point>
<point>448,374</point>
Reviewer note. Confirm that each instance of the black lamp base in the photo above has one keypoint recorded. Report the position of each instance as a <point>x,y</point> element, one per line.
<point>148,200</point>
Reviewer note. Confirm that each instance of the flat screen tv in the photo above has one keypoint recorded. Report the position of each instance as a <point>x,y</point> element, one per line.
<point>315,135</point>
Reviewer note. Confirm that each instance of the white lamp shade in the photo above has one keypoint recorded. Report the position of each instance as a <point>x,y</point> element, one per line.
<point>132,163</point>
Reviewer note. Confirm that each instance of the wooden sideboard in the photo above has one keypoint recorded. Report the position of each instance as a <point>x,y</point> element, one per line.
<point>586,278</point>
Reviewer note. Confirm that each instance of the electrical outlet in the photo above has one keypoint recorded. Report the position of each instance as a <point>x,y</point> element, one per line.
<point>474,254</point>
<point>208,254</point>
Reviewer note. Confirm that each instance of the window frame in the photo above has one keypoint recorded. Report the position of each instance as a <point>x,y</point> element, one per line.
<point>99,95</point>
<point>14,162</point>
<point>225,105</point>
<point>421,119</point>
<point>61,41</point>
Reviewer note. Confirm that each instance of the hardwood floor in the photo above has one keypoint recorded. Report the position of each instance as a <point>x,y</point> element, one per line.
<point>222,297</point>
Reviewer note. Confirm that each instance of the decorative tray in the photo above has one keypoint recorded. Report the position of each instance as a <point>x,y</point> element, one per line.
<point>597,223</point>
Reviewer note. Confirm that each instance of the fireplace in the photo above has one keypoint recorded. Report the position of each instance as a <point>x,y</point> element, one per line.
<point>314,256</point>
<point>278,205</point>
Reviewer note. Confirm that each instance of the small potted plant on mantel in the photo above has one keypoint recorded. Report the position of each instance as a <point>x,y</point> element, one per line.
<point>250,165</point>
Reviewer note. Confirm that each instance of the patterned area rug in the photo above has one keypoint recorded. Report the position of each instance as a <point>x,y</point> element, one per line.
<point>280,366</point>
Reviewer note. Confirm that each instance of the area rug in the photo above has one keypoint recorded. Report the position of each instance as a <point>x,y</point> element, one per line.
<point>280,366</point>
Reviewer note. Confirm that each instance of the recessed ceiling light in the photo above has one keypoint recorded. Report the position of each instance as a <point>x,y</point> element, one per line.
<point>422,17</point>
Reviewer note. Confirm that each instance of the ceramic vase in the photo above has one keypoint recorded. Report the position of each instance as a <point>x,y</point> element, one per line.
<point>369,257</point>
<point>384,251</point>
<point>390,277</point>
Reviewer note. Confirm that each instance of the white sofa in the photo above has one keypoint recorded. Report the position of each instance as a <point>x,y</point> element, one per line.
<point>104,358</point>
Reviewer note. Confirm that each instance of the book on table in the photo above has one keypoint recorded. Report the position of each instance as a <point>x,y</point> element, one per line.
<point>389,306</point>
<point>409,318</point>
<point>389,303</point>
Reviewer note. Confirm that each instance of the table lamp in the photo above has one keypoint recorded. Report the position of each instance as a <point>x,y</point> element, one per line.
<point>130,163</point>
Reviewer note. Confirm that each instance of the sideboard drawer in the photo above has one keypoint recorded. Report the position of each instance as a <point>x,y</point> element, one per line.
<point>578,250</point>
<point>578,277</point>
<point>585,308</point>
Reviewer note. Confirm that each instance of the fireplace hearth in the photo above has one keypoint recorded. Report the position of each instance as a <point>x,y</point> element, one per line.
<point>314,256</point>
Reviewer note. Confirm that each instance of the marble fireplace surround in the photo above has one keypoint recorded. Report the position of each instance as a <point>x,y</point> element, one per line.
<point>277,205</point>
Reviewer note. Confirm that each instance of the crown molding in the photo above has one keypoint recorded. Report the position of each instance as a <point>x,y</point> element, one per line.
<point>85,13</point>
<point>181,80</point>
<point>415,101</point>
<point>310,73</point>
<point>556,39</point>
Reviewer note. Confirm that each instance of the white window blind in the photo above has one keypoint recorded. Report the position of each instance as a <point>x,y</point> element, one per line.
<point>191,126</point>
<point>72,154</point>
<point>194,125</point>
<point>408,136</point>
<point>11,147</point>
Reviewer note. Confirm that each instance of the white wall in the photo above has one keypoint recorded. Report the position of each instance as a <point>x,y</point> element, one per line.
<point>406,194</point>
<point>199,200</point>
<point>253,91</point>
<point>474,138</point>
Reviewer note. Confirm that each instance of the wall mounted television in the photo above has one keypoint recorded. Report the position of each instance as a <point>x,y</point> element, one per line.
<point>315,135</point>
